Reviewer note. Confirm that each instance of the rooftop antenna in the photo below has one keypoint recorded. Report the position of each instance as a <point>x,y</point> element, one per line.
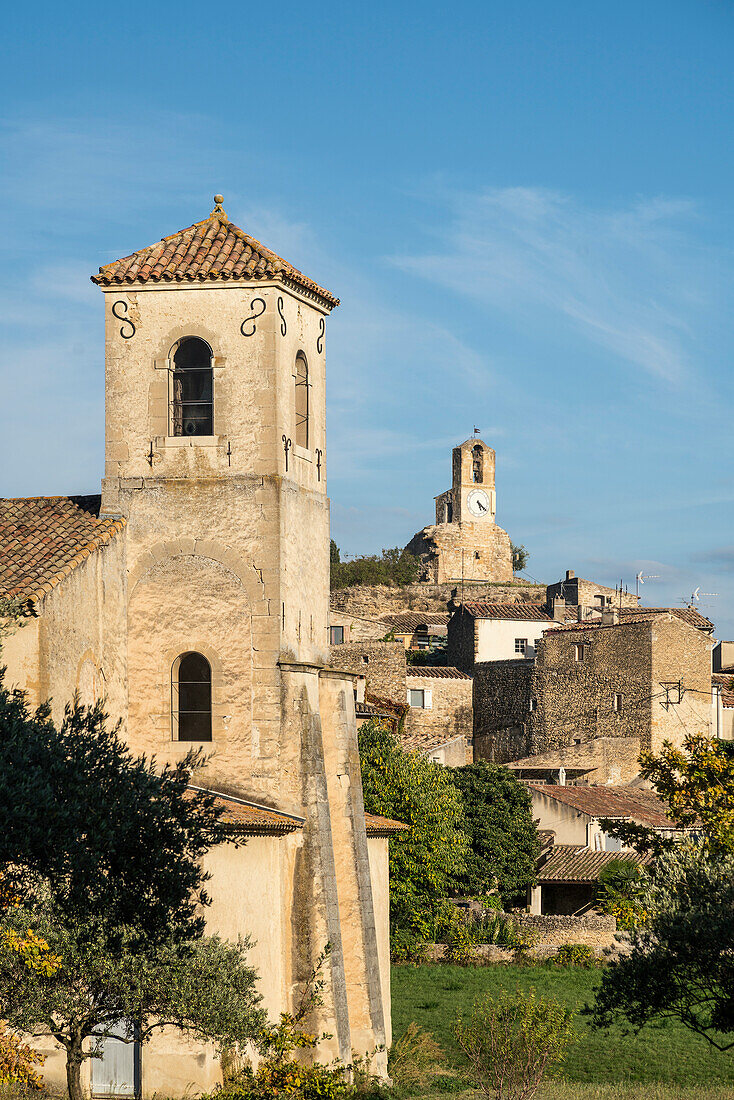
<point>695,597</point>
<point>642,577</point>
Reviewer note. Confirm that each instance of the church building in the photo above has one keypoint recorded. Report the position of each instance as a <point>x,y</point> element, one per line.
<point>193,596</point>
<point>466,544</point>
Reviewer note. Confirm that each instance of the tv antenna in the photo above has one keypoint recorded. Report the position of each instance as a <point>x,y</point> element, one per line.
<point>641,577</point>
<point>695,597</point>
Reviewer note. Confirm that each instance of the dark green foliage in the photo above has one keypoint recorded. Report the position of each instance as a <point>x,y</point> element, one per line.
<point>575,954</point>
<point>118,842</point>
<point>519,558</point>
<point>504,839</point>
<point>424,860</point>
<point>392,567</point>
<point>681,963</point>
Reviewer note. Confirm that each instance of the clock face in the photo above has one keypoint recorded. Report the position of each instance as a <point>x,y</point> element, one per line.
<point>478,503</point>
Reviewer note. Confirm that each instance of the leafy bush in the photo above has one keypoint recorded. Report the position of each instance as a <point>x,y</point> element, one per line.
<point>414,1059</point>
<point>575,954</point>
<point>425,859</point>
<point>461,944</point>
<point>512,1042</point>
<point>18,1062</point>
<point>622,887</point>
<point>406,947</point>
<point>276,1080</point>
<point>391,567</point>
<point>499,929</point>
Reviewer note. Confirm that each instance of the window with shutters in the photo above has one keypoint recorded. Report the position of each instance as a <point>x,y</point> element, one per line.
<point>192,388</point>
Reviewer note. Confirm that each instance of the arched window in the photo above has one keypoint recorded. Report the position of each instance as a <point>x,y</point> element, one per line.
<point>191,698</point>
<point>477,464</point>
<point>192,398</point>
<point>301,401</point>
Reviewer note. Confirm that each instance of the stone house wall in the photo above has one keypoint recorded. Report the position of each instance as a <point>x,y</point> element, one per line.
<point>502,716</point>
<point>381,663</point>
<point>450,713</point>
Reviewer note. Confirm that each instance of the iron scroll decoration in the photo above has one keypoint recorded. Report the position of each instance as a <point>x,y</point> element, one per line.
<point>283,325</point>
<point>253,317</point>
<point>287,444</point>
<point>122,304</point>
<point>320,338</point>
<point>319,456</point>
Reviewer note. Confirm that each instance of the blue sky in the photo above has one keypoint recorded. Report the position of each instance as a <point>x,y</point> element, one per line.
<point>526,209</point>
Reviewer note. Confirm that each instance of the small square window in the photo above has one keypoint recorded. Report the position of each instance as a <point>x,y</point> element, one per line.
<point>336,635</point>
<point>580,651</point>
<point>521,645</point>
<point>417,698</point>
<point>618,703</point>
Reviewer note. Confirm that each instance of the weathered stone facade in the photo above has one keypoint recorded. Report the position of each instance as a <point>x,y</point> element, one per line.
<point>465,542</point>
<point>592,682</point>
<point>381,663</point>
<point>580,593</point>
<point>379,600</point>
<point>443,727</point>
<point>223,553</point>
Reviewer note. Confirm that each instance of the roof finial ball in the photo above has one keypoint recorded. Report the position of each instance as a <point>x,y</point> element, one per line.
<point>218,208</point>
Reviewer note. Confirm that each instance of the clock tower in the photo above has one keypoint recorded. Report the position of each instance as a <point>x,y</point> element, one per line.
<point>465,543</point>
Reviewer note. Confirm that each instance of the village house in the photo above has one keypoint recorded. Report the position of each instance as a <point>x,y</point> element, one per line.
<point>479,631</point>
<point>596,694</point>
<point>193,595</point>
<point>576,848</point>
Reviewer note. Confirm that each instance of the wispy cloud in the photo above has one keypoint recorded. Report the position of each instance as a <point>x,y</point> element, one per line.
<point>626,279</point>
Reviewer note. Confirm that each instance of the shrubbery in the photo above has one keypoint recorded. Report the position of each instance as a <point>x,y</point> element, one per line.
<point>391,567</point>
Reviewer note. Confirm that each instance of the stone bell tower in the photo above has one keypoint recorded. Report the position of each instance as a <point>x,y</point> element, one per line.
<point>465,543</point>
<point>215,456</point>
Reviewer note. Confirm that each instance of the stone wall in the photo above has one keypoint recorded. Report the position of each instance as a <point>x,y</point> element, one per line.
<point>375,601</point>
<point>595,930</point>
<point>381,663</point>
<point>478,551</point>
<point>450,713</point>
<point>502,716</point>
<point>578,592</point>
<point>358,628</point>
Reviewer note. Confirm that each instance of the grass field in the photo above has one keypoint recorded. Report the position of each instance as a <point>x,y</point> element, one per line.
<point>661,1063</point>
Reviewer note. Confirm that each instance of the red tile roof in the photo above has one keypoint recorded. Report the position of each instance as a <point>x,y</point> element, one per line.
<point>628,616</point>
<point>535,612</point>
<point>411,620</point>
<point>636,803</point>
<point>383,826</point>
<point>42,539</point>
<point>426,740</point>
<point>724,680</point>
<point>440,672</point>
<point>213,249</point>
<point>573,863</point>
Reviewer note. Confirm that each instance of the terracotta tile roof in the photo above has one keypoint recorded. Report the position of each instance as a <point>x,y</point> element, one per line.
<point>635,803</point>
<point>213,249</point>
<point>248,818</point>
<point>533,612</point>
<point>43,538</point>
<point>412,620</point>
<point>573,863</point>
<point>439,672</point>
<point>724,680</point>
<point>383,826</point>
<point>425,740</point>
<point>630,615</point>
<point>369,710</point>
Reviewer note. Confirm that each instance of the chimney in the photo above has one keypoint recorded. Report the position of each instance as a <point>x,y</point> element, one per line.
<point>559,609</point>
<point>570,575</point>
<point>610,616</point>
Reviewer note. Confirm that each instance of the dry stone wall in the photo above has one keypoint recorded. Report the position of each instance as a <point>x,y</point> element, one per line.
<point>382,663</point>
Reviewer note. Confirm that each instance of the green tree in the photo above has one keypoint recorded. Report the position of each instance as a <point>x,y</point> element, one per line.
<point>697,782</point>
<point>392,567</point>
<point>519,558</point>
<point>117,840</point>
<point>681,960</point>
<point>499,822</point>
<point>424,860</point>
<point>622,888</point>
<point>203,987</point>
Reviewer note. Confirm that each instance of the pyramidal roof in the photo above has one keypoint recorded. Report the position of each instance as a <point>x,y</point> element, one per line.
<point>211,250</point>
